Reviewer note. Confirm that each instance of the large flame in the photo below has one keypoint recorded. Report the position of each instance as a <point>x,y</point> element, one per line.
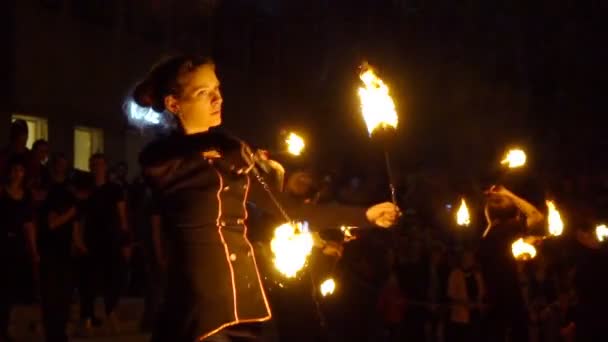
<point>523,250</point>
<point>295,144</point>
<point>515,158</point>
<point>601,232</point>
<point>376,104</point>
<point>328,287</point>
<point>462,216</point>
<point>291,246</point>
<point>556,225</point>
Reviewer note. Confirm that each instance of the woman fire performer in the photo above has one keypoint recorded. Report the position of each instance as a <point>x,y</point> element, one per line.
<point>509,216</point>
<point>204,179</point>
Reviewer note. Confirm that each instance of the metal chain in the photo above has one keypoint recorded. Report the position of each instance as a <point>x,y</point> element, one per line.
<point>266,188</point>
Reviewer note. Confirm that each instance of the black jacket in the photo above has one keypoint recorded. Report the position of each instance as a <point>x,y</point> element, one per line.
<point>203,186</point>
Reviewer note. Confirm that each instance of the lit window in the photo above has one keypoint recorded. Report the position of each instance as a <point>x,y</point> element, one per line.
<point>37,128</point>
<point>87,141</point>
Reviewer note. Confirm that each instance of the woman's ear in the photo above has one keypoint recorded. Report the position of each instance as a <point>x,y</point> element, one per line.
<point>172,104</point>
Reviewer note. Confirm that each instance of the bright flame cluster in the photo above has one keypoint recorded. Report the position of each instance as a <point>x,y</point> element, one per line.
<point>523,250</point>
<point>328,287</point>
<point>601,232</point>
<point>556,225</point>
<point>515,158</point>
<point>376,104</point>
<point>295,144</point>
<point>291,245</point>
<point>462,216</point>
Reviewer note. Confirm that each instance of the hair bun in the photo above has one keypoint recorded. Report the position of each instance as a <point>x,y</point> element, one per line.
<point>143,94</point>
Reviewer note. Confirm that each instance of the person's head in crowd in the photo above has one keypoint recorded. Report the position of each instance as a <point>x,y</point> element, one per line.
<point>16,167</point>
<point>301,184</point>
<point>59,167</point>
<point>18,135</point>
<point>81,185</point>
<point>98,166</point>
<point>186,87</point>
<point>40,151</point>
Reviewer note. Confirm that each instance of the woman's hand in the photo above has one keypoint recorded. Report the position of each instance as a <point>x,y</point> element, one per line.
<point>384,214</point>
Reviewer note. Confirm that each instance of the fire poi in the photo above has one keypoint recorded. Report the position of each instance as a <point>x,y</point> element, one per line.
<point>328,287</point>
<point>378,111</point>
<point>523,250</point>
<point>601,232</point>
<point>295,144</point>
<point>556,225</point>
<point>463,218</point>
<point>515,158</point>
<point>291,245</point>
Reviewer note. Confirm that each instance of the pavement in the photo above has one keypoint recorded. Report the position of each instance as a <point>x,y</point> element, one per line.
<point>26,324</point>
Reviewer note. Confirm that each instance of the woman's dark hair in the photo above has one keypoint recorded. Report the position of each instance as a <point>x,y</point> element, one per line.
<point>39,143</point>
<point>18,128</point>
<point>164,80</point>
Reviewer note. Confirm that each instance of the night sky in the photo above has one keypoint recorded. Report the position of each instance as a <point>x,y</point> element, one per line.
<point>469,77</point>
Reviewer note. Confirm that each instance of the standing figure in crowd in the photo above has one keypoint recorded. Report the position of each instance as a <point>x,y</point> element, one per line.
<point>18,243</point>
<point>107,241</point>
<point>466,292</point>
<point>204,179</point>
<point>58,226</point>
<point>17,147</point>
<point>509,217</point>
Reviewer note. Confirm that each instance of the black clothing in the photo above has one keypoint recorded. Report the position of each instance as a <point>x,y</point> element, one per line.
<point>507,309</point>
<point>15,261</point>
<point>56,264</point>
<point>213,277</point>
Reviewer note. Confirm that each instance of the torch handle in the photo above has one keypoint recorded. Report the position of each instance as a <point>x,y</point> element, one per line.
<point>391,179</point>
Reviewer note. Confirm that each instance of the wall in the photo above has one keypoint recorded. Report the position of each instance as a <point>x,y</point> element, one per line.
<point>74,73</point>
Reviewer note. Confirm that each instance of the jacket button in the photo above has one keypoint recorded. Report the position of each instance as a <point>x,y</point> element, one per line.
<point>223,223</point>
<point>240,221</point>
<point>232,257</point>
<point>226,188</point>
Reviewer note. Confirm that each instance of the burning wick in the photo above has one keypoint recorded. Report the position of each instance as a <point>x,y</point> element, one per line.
<point>601,232</point>
<point>378,110</point>
<point>292,244</point>
<point>523,250</point>
<point>328,287</point>
<point>376,104</point>
<point>462,216</point>
<point>556,225</point>
<point>295,144</point>
<point>515,158</point>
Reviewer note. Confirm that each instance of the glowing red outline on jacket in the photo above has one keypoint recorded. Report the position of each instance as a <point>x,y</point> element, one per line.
<point>237,321</point>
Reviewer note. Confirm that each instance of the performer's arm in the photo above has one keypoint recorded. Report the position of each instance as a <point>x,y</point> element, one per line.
<point>322,215</point>
<point>533,216</point>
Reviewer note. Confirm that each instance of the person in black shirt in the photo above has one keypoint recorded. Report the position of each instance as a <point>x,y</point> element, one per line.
<point>590,282</point>
<point>107,241</point>
<point>17,242</point>
<point>506,224</point>
<point>58,222</point>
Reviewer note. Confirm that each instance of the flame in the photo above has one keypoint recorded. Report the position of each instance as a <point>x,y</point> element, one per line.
<point>295,144</point>
<point>291,245</point>
<point>376,104</point>
<point>328,287</point>
<point>462,216</point>
<point>601,232</point>
<point>515,158</point>
<point>523,250</point>
<point>556,225</point>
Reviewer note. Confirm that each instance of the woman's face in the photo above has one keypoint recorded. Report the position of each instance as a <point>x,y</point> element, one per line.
<point>17,174</point>
<point>199,106</point>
